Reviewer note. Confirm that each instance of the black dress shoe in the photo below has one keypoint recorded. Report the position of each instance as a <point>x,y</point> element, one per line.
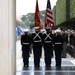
<point>26,66</point>
<point>47,66</point>
<point>37,66</point>
<point>59,66</point>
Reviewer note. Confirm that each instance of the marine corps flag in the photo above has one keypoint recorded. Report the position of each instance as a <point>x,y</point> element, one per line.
<point>49,16</point>
<point>37,16</point>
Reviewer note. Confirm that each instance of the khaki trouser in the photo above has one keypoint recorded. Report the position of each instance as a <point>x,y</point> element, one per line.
<point>74,51</point>
<point>64,49</point>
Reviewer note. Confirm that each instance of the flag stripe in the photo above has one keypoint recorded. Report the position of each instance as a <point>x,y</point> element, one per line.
<point>49,15</point>
<point>50,20</point>
<point>48,10</point>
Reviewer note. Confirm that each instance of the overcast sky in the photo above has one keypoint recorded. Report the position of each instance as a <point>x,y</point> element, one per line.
<point>26,6</point>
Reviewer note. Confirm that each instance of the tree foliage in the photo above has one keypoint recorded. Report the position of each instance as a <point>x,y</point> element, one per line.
<point>22,24</point>
<point>29,19</point>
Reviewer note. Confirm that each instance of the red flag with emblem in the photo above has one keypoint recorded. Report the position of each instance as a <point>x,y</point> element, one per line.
<point>49,16</point>
<point>37,16</point>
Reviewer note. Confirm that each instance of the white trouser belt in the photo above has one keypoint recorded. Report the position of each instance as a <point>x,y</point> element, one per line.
<point>26,43</point>
<point>38,41</point>
<point>58,43</point>
<point>47,41</point>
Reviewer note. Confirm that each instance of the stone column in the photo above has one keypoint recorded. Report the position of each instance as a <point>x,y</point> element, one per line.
<point>7,37</point>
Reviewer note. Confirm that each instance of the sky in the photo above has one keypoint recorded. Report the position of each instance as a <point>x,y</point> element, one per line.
<point>28,6</point>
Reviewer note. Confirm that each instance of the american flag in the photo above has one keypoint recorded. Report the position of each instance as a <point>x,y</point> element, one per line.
<point>49,16</point>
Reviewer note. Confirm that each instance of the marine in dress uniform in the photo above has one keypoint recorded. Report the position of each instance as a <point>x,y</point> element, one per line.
<point>48,48</point>
<point>58,47</point>
<point>25,42</point>
<point>37,46</point>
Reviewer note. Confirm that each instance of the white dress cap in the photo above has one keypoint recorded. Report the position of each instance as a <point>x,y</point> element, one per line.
<point>26,30</point>
<point>48,27</point>
<point>58,30</point>
<point>36,27</point>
